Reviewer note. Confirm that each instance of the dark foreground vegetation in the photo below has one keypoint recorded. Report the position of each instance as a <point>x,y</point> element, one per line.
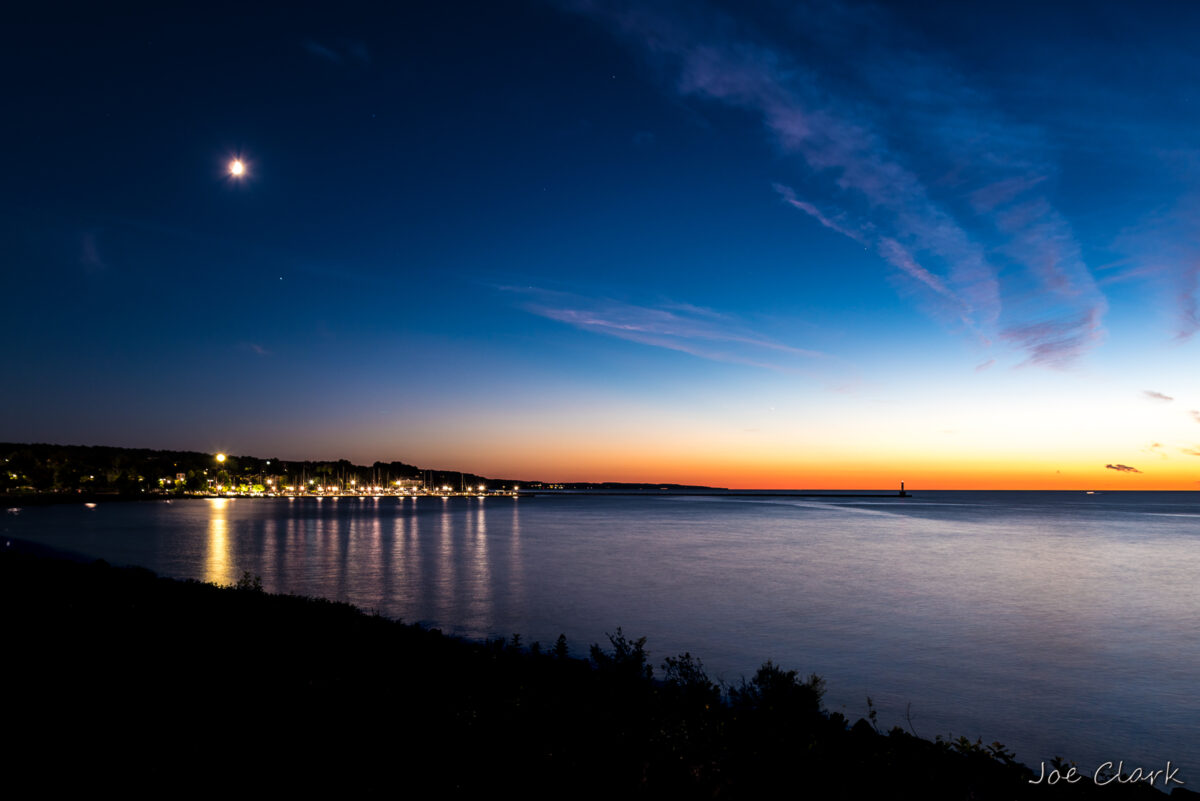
<point>116,679</point>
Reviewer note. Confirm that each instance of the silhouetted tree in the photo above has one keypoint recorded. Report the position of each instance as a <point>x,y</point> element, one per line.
<point>685,676</point>
<point>774,690</point>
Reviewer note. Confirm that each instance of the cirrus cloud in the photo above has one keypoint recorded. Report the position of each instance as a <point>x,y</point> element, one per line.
<point>682,327</point>
<point>907,157</point>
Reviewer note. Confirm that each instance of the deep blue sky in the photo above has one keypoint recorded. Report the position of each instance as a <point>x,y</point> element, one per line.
<point>663,241</point>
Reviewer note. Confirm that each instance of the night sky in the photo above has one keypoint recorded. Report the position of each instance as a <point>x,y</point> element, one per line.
<point>749,245</point>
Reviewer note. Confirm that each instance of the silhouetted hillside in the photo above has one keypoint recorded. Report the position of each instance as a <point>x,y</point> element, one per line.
<point>41,467</point>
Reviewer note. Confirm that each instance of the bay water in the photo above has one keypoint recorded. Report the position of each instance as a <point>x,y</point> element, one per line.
<point>1057,623</point>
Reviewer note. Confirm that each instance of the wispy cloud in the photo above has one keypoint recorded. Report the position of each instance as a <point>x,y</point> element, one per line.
<point>1191,451</point>
<point>1138,272</point>
<point>901,258</point>
<point>343,52</point>
<point>1166,250</point>
<point>1195,415</point>
<point>989,197</point>
<point>1122,468</point>
<point>254,348</point>
<point>979,368</point>
<point>1056,343</point>
<point>1158,396</point>
<point>1189,301</point>
<point>906,158</point>
<point>321,51</point>
<point>89,253</point>
<point>699,332</point>
<point>841,227</point>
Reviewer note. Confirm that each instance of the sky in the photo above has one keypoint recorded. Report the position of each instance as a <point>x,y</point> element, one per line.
<point>763,244</point>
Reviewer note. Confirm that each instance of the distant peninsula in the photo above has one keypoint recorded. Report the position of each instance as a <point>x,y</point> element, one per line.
<point>32,470</point>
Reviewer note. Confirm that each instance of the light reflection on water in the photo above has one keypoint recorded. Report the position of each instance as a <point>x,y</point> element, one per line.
<point>1056,623</point>
<point>217,569</point>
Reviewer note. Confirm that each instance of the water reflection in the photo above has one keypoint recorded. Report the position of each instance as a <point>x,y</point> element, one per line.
<point>218,565</point>
<point>515,586</point>
<point>478,591</point>
<point>443,572</point>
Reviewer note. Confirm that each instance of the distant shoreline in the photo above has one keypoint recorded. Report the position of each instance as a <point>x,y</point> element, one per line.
<point>724,494</point>
<point>38,499</point>
<point>64,498</point>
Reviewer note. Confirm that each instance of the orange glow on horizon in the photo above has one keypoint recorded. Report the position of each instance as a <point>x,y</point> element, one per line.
<point>852,446</point>
<point>917,473</point>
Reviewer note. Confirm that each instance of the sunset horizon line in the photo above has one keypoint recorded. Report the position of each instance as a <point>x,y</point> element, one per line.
<point>843,477</point>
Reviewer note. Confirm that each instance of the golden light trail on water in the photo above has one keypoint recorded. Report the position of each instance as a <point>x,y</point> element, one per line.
<point>217,568</point>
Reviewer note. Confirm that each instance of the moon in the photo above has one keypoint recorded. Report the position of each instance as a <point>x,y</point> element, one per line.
<point>237,168</point>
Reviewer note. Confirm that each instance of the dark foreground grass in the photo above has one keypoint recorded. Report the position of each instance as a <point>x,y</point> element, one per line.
<point>119,680</point>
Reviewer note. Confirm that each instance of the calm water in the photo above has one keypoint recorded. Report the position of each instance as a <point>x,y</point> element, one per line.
<point>1056,623</point>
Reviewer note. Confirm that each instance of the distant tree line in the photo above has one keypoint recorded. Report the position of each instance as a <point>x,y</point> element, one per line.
<point>42,468</point>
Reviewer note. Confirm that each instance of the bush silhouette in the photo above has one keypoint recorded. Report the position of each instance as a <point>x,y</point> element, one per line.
<point>774,690</point>
<point>684,676</point>
<point>249,583</point>
<point>628,659</point>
